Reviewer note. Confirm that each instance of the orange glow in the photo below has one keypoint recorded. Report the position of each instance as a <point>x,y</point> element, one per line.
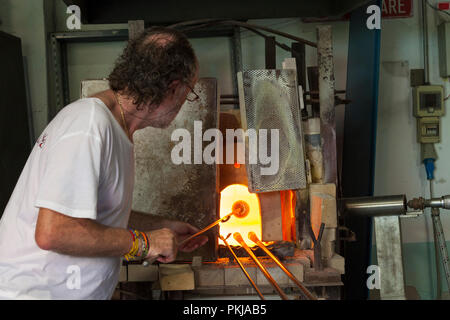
<point>252,222</point>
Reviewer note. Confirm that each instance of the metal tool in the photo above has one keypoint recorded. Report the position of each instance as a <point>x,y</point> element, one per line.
<point>237,236</point>
<point>252,236</point>
<point>435,215</point>
<point>242,266</point>
<point>435,204</point>
<point>240,209</point>
<point>421,203</point>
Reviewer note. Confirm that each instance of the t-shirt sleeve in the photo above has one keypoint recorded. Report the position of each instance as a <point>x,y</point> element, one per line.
<point>70,180</point>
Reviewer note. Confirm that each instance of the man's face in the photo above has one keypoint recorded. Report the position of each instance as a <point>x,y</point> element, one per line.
<point>170,107</point>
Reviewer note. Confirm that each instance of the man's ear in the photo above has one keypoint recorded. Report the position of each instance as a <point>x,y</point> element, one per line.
<point>174,85</point>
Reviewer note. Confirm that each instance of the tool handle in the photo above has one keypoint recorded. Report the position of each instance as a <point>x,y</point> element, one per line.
<point>223,219</point>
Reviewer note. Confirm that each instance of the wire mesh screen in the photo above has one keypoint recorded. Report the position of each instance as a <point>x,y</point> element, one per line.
<point>269,100</point>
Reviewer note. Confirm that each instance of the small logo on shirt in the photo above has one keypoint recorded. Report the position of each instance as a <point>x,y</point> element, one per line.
<point>41,141</point>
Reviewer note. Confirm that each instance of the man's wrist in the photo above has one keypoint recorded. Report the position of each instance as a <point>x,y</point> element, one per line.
<point>140,247</point>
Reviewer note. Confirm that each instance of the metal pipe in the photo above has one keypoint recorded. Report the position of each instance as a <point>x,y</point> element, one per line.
<point>237,236</point>
<point>426,66</point>
<point>252,236</point>
<point>442,202</point>
<point>375,206</point>
<point>244,25</point>
<point>242,267</point>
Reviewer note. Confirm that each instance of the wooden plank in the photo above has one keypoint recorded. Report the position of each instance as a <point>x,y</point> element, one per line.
<point>176,277</point>
<point>139,273</point>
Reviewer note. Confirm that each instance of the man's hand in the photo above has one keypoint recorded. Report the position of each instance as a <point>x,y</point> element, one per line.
<point>184,230</point>
<point>163,245</point>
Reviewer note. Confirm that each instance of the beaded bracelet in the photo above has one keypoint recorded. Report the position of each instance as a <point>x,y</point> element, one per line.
<point>134,248</point>
<point>140,247</point>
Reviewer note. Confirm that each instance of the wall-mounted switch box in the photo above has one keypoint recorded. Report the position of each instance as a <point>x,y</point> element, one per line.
<point>428,101</point>
<point>429,130</point>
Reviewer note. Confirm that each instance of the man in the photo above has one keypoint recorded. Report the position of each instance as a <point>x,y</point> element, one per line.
<point>64,230</point>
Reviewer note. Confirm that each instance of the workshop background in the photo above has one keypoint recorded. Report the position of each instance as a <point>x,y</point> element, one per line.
<point>398,167</point>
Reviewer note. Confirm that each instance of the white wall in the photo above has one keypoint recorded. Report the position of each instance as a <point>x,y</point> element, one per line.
<point>25,19</point>
<point>398,167</point>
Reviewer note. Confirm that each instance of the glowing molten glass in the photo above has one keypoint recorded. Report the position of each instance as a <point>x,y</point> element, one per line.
<point>251,222</point>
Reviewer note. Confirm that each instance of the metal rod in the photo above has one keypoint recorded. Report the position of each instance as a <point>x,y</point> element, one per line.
<point>243,269</point>
<point>252,236</point>
<point>240,209</point>
<point>244,25</point>
<point>237,236</point>
<point>224,219</point>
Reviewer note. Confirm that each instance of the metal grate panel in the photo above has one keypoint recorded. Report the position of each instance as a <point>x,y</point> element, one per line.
<point>269,100</point>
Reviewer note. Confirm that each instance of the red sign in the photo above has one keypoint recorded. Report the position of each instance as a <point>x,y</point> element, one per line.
<point>396,9</point>
<point>444,5</point>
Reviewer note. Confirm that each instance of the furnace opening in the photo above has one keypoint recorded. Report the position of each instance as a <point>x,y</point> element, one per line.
<point>237,194</point>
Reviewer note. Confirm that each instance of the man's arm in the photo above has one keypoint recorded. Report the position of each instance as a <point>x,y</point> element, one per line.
<point>88,238</point>
<point>182,230</point>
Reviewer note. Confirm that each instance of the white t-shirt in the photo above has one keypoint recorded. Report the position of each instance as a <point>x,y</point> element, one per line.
<point>81,166</point>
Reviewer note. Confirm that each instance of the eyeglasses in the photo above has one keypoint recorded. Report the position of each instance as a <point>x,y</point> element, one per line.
<point>192,96</point>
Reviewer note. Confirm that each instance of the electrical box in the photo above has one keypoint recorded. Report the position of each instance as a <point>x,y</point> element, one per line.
<point>444,49</point>
<point>428,101</point>
<point>429,130</point>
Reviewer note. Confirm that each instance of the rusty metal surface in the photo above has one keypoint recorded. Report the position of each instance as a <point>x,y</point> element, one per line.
<point>327,104</point>
<point>389,257</point>
<point>186,192</point>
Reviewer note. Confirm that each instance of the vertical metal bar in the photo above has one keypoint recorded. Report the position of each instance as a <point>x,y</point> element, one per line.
<point>64,75</point>
<point>135,27</point>
<point>29,105</point>
<point>326,97</point>
<point>236,57</point>
<point>426,59</point>
<point>298,52</point>
<point>271,61</point>
<point>56,74</point>
<point>358,157</point>
<point>435,214</point>
<point>313,81</point>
